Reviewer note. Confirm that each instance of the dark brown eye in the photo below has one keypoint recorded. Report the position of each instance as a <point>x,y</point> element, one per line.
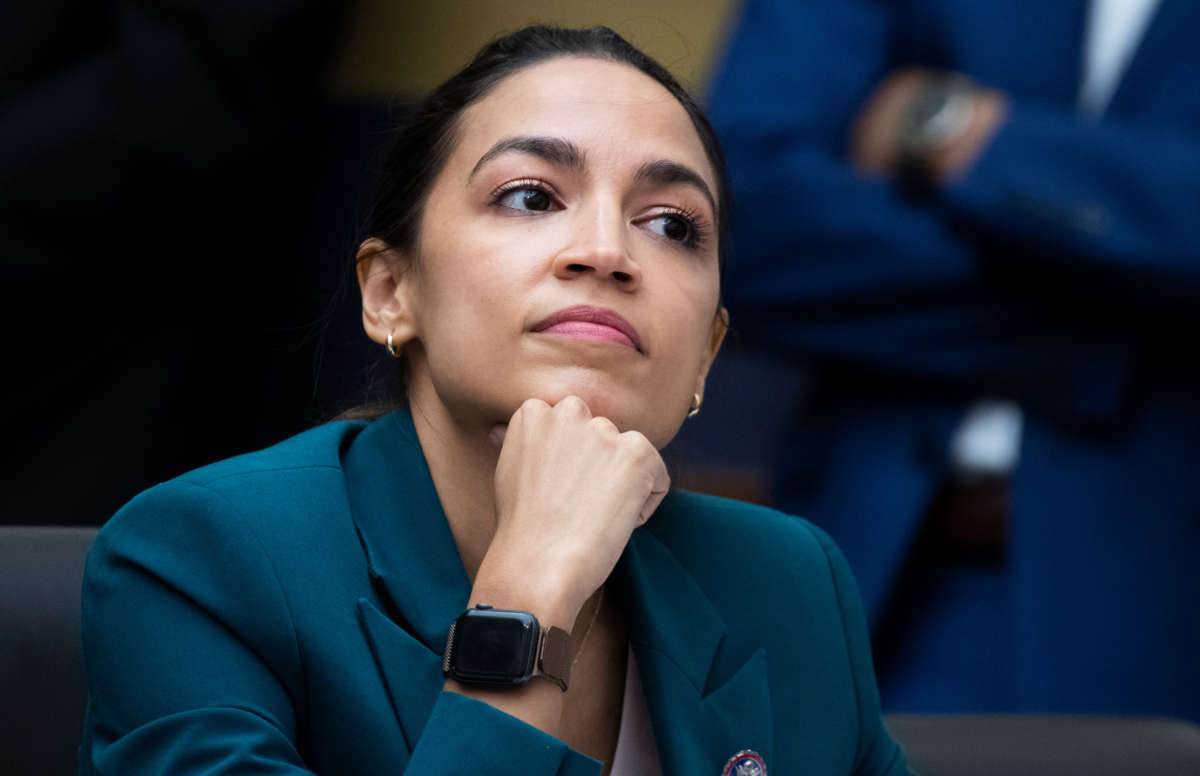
<point>672,227</point>
<point>526,198</point>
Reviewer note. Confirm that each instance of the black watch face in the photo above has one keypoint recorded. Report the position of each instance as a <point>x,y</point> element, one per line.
<point>494,646</point>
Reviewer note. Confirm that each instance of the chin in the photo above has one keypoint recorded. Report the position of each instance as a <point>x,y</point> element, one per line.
<point>628,411</point>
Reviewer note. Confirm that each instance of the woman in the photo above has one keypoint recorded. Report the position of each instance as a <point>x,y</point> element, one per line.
<point>465,584</point>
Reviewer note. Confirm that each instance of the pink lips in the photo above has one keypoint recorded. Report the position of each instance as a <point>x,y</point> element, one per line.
<point>591,323</point>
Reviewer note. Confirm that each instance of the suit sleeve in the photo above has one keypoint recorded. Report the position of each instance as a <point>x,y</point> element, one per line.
<point>828,265</point>
<point>878,754</point>
<point>194,664</point>
<point>1110,204</point>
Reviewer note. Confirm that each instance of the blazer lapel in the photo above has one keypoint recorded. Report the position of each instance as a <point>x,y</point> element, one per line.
<point>413,563</point>
<point>706,703</point>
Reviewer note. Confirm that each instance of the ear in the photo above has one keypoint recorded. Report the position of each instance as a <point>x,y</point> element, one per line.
<point>385,282</point>
<point>720,327</point>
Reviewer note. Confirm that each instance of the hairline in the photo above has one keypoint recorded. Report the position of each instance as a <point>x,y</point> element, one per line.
<point>451,139</point>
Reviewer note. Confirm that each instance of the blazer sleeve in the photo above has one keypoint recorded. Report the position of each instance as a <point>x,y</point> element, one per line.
<point>832,266</point>
<point>877,753</point>
<point>194,664</point>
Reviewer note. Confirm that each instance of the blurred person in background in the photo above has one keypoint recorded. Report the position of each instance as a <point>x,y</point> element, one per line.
<point>976,225</point>
<point>142,167</point>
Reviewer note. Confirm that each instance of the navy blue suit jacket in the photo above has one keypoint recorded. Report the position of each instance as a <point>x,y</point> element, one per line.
<point>285,612</point>
<point>1063,272</point>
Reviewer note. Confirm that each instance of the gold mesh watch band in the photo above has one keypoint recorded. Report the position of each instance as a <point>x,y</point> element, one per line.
<point>554,656</point>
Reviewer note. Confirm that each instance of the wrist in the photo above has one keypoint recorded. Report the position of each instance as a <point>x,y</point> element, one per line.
<point>506,582</point>
<point>956,159</point>
<point>944,125</point>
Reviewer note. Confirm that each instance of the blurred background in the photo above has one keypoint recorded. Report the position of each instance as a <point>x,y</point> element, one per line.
<point>182,193</point>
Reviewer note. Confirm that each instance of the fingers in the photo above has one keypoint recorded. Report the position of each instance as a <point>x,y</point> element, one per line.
<point>574,406</point>
<point>651,504</point>
<point>568,427</point>
<point>570,488</point>
<point>571,406</point>
<point>603,425</point>
<point>526,415</point>
<point>530,407</point>
<point>649,461</point>
<point>533,412</point>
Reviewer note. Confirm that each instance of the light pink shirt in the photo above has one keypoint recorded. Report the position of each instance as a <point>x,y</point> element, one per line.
<point>636,753</point>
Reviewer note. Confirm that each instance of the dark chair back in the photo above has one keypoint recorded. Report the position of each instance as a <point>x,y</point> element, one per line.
<point>1053,745</point>
<point>42,684</point>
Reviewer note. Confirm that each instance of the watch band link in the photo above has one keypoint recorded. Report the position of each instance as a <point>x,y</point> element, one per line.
<point>449,648</point>
<point>554,656</point>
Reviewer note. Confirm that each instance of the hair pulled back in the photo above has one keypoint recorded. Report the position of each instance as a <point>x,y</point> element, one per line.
<point>424,142</point>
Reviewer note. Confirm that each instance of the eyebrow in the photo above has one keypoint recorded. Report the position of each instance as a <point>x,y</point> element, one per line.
<point>559,152</point>
<point>564,153</point>
<point>664,172</point>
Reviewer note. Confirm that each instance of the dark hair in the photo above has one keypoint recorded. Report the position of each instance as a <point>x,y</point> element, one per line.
<point>425,139</point>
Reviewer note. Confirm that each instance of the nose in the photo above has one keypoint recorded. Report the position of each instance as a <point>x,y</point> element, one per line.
<point>598,248</point>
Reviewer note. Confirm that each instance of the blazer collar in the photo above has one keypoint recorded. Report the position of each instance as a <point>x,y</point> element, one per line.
<point>707,700</point>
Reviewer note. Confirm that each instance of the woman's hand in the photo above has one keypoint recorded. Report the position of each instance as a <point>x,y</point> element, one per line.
<point>570,489</point>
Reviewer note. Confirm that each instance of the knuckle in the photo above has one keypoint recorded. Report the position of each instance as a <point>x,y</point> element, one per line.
<point>637,442</point>
<point>601,423</point>
<point>642,453</point>
<point>532,405</point>
<point>573,403</point>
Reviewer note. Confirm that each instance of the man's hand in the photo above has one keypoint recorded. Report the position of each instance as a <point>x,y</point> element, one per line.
<point>874,140</point>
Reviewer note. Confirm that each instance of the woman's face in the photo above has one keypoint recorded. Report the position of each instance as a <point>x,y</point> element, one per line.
<point>568,246</point>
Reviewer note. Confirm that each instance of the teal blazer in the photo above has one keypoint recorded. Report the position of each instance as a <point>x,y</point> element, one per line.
<point>285,612</point>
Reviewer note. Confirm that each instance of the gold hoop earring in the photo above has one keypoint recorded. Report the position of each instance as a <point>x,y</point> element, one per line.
<point>695,409</point>
<point>392,350</point>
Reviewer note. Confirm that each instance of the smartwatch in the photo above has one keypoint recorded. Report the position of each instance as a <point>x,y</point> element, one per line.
<point>939,112</point>
<point>505,648</point>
